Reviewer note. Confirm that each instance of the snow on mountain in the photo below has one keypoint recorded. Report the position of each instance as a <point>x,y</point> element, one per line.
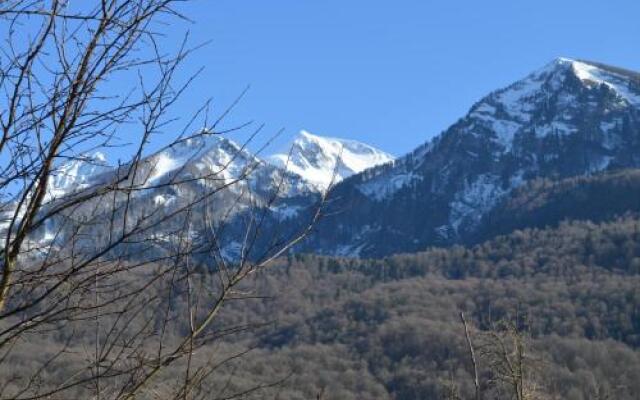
<point>507,112</point>
<point>324,161</point>
<point>236,184</point>
<point>209,159</point>
<point>207,156</point>
<point>75,175</point>
<point>592,74</point>
<point>569,118</point>
<point>213,160</point>
<point>558,100</point>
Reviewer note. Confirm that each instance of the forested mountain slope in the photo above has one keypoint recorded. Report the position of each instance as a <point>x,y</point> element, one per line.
<point>389,328</point>
<point>545,202</point>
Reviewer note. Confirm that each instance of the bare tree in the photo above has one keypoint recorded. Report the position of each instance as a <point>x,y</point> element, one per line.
<point>506,351</point>
<point>472,358</point>
<point>503,355</point>
<point>115,310</point>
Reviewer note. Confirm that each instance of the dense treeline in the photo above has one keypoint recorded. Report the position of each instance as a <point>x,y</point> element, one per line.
<point>389,328</point>
<point>575,290</point>
<point>545,202</point>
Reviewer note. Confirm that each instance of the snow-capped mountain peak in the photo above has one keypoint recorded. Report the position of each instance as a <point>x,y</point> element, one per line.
<point>566,119</point>
<point>323,161</point>
<point>209,154</point>
<point>76,174</point>
<point>625,84</point>
<point>551,94</point>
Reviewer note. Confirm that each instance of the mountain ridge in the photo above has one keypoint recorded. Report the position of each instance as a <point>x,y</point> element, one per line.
<point>568,118</point>
<point>559,121</point>
<point>324,160</point>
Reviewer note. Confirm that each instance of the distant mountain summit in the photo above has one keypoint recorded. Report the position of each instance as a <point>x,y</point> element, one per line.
<point>569,118</point>
<point>312,163</point>
<point>323,161</point>
<point>76,174</point>
<point>238,186</point>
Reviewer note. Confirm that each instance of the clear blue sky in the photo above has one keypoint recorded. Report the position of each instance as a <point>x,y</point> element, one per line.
<point>390,73</point>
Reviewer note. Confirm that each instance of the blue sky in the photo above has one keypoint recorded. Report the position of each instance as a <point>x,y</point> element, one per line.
<point>389,73</point>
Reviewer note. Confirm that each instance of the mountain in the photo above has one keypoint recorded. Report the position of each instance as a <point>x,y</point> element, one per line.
<point>310,164</point>
<point>230,187</point>
<point>324,161</point>
<point>213,160</point>
<point>570,118</point>
<point>76,174</point>
<point>543,203</point>
<point>204,174</point>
